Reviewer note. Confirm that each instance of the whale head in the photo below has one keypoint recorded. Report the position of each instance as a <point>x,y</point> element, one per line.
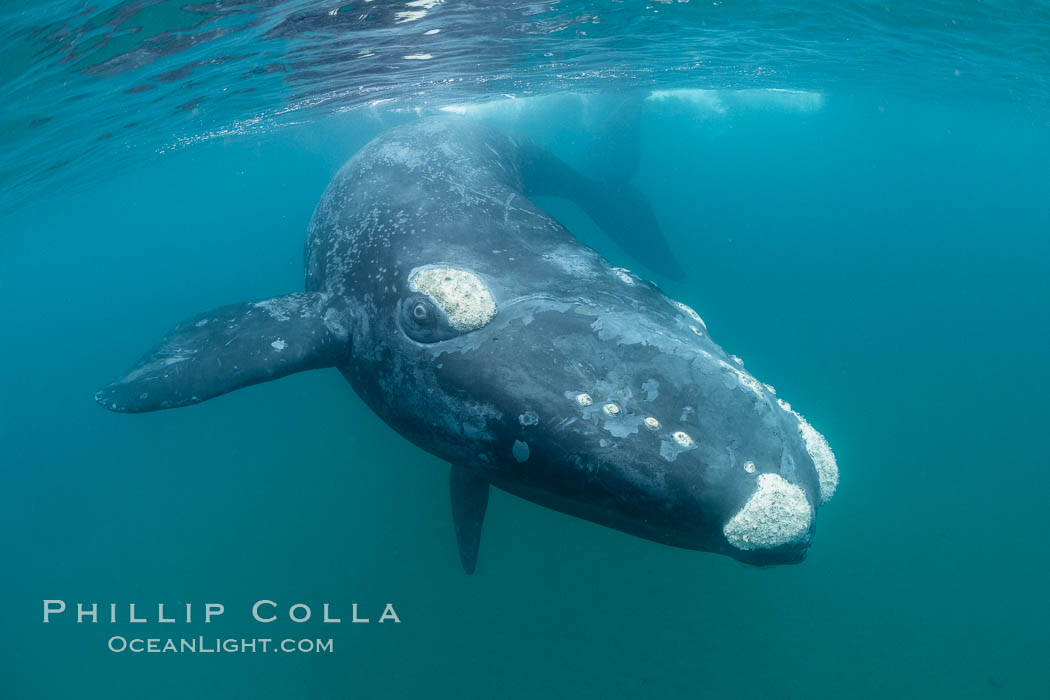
<point>608,401</point>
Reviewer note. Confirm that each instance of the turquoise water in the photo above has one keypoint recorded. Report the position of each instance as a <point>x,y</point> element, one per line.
<point>870,236</point>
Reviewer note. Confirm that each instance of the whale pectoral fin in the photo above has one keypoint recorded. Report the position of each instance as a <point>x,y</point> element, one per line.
<point>470,498</point>
<point>226,349</point>
<point>616,206</point>
<point>625,215</point>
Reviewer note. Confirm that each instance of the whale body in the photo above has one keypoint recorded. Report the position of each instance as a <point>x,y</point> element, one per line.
<point>481,330</point>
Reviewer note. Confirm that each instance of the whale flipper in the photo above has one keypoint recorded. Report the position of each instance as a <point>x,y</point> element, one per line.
<point>624,213</point>
<point>226,349</point>
<point>470,498</point>
<point>619,208</point>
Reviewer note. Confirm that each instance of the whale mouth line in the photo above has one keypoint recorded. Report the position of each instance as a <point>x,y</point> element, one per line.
<point>524,298</point>
<point>551,299</point>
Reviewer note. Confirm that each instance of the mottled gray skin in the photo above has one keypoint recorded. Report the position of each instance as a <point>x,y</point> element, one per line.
<point>499,402</point>
<point>450,192</point>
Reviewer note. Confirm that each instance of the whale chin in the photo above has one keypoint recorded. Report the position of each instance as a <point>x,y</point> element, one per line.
<point>777,514</point>
<point>780,556</point>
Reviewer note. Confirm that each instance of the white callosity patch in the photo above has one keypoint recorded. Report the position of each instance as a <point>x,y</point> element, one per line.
<point>278,344</point>
<point>751,383</point>
<point>584,399</point>
<point>529,418</point>
<point>680,442</point>
<point>744,378</point>
<point>463,297</point>
<point>776,514</point>
<point>651,423</point>
<point>820,452</point>
<point>682,439</point>
<point>690,312</point>
<point>824,459</point>
<point>623,274</point>
<point>611,409</point>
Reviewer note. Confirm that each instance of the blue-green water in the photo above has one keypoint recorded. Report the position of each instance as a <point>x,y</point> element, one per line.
<point>877,251</point>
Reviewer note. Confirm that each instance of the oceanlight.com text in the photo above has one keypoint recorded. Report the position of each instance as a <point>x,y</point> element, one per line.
<point>218,645</point>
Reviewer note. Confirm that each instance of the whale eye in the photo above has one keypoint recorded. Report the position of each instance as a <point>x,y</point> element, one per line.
<point>444,302</point>
<point>423,321</point>
<point>461,295</point>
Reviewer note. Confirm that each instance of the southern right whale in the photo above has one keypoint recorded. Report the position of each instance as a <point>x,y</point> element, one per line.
<point>480,329</point>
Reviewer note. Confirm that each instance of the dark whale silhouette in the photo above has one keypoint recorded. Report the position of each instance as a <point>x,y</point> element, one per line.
<point>480,329</point>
